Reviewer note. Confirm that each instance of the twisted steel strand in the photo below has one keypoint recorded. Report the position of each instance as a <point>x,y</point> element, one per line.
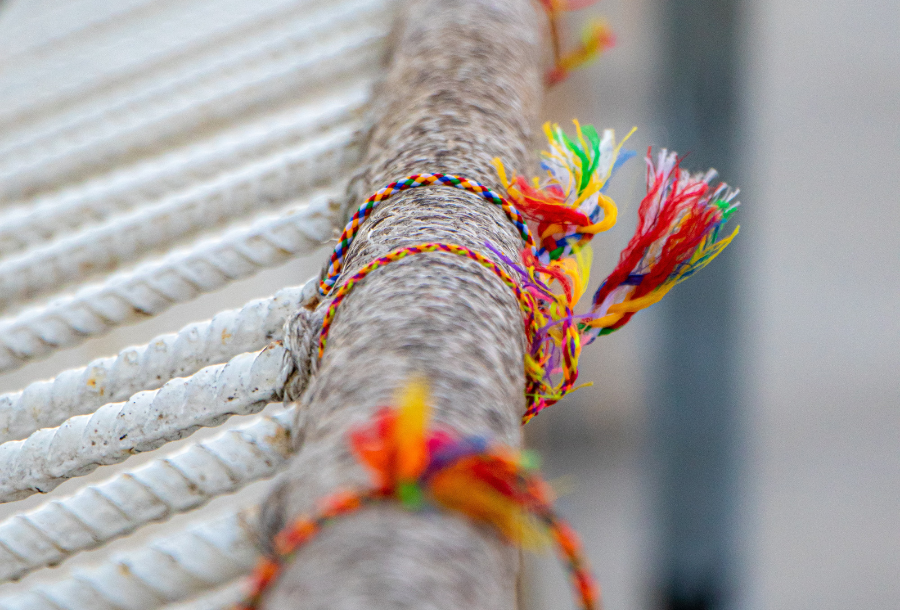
<point>231,62</point>
<point>137,132</point>
<point>223,598</point>
<point>141,49</point>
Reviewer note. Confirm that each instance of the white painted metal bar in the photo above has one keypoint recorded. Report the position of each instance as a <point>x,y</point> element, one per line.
<point>295,30</point>
<point>123,239</point>
<point>98,82</point>
<point>175,568</point>
<point>37,168</point>
<point>154,492</point>
<point>223,598</point>
<point>156,286</point>
<point>123,190</point>
<point>171,30</point>
<point>45,404</point>
<point>148,420</point>
<point>35,32</point>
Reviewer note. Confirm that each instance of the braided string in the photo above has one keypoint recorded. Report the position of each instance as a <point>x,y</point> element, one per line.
<point>677,235</point>
<point>543,347</point>
<point>291,539</point>
<point>417,467</point>
<point>336,262</point>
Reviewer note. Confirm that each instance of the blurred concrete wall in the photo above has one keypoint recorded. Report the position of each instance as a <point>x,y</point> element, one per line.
<point>822,280</point>
<point>817,480</point>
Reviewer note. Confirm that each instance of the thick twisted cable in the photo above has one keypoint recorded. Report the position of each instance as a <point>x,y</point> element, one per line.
<point>49,403</point>
<point>69,160</point>
<point>172,569</point>
<point>97,200</point>
<point>156,491</point>
<point>526,302</point>
<point>539,392</point>
<point>156,286</point>
<point>336,261</point>
<point>148,420</point>
<point>123,239</point>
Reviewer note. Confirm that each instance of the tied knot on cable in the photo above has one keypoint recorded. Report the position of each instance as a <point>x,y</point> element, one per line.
<point>678,233</point>
<point>420,466</point>
<point>558,214</point>
<point>414,464</point>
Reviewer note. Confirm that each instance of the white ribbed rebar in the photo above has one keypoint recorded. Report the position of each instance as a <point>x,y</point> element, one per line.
<point>36,31</point>
<point>156,491</point>
<point>45,404</point>
<point>150,229</point>
<point>148,420</point>
<point>99,199</point>
<point>156,286</point>
<point>124,53</point>
<point>141,132</point>
<point>169,570</point>
<point>223,598</point>
<point>99,82</point>
<point>239,60</point>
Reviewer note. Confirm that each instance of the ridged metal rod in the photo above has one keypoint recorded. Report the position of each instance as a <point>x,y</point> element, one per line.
<point>172,569</point>
<point>147,421</point>
<point>124,239</point>
<point>137,133</point>
<point>122,190</point>
<point>48,403</point>
<point>154,287</point>
<point>156,491</point>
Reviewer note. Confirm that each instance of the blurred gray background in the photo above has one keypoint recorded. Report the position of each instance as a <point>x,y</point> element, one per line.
<point>739,447</point>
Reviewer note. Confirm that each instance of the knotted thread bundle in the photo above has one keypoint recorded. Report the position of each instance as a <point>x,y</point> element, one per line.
<point>424,468</point>
<point>558,215</point>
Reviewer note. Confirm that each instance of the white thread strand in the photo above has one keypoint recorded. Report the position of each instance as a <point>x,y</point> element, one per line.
<point>148,420</point>
<point>150,229</point>
<point>137,133</point>
<point>123,190</point>
<point>154,492</point>
<point>154,287</point>
<point>45,404</point>
<point>166,571</point>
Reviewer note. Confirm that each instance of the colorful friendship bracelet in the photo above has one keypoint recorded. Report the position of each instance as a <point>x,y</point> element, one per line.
<point>417,180</point>
<point>542,348</point>
<point>421,467</point>
<point>678,233</point>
